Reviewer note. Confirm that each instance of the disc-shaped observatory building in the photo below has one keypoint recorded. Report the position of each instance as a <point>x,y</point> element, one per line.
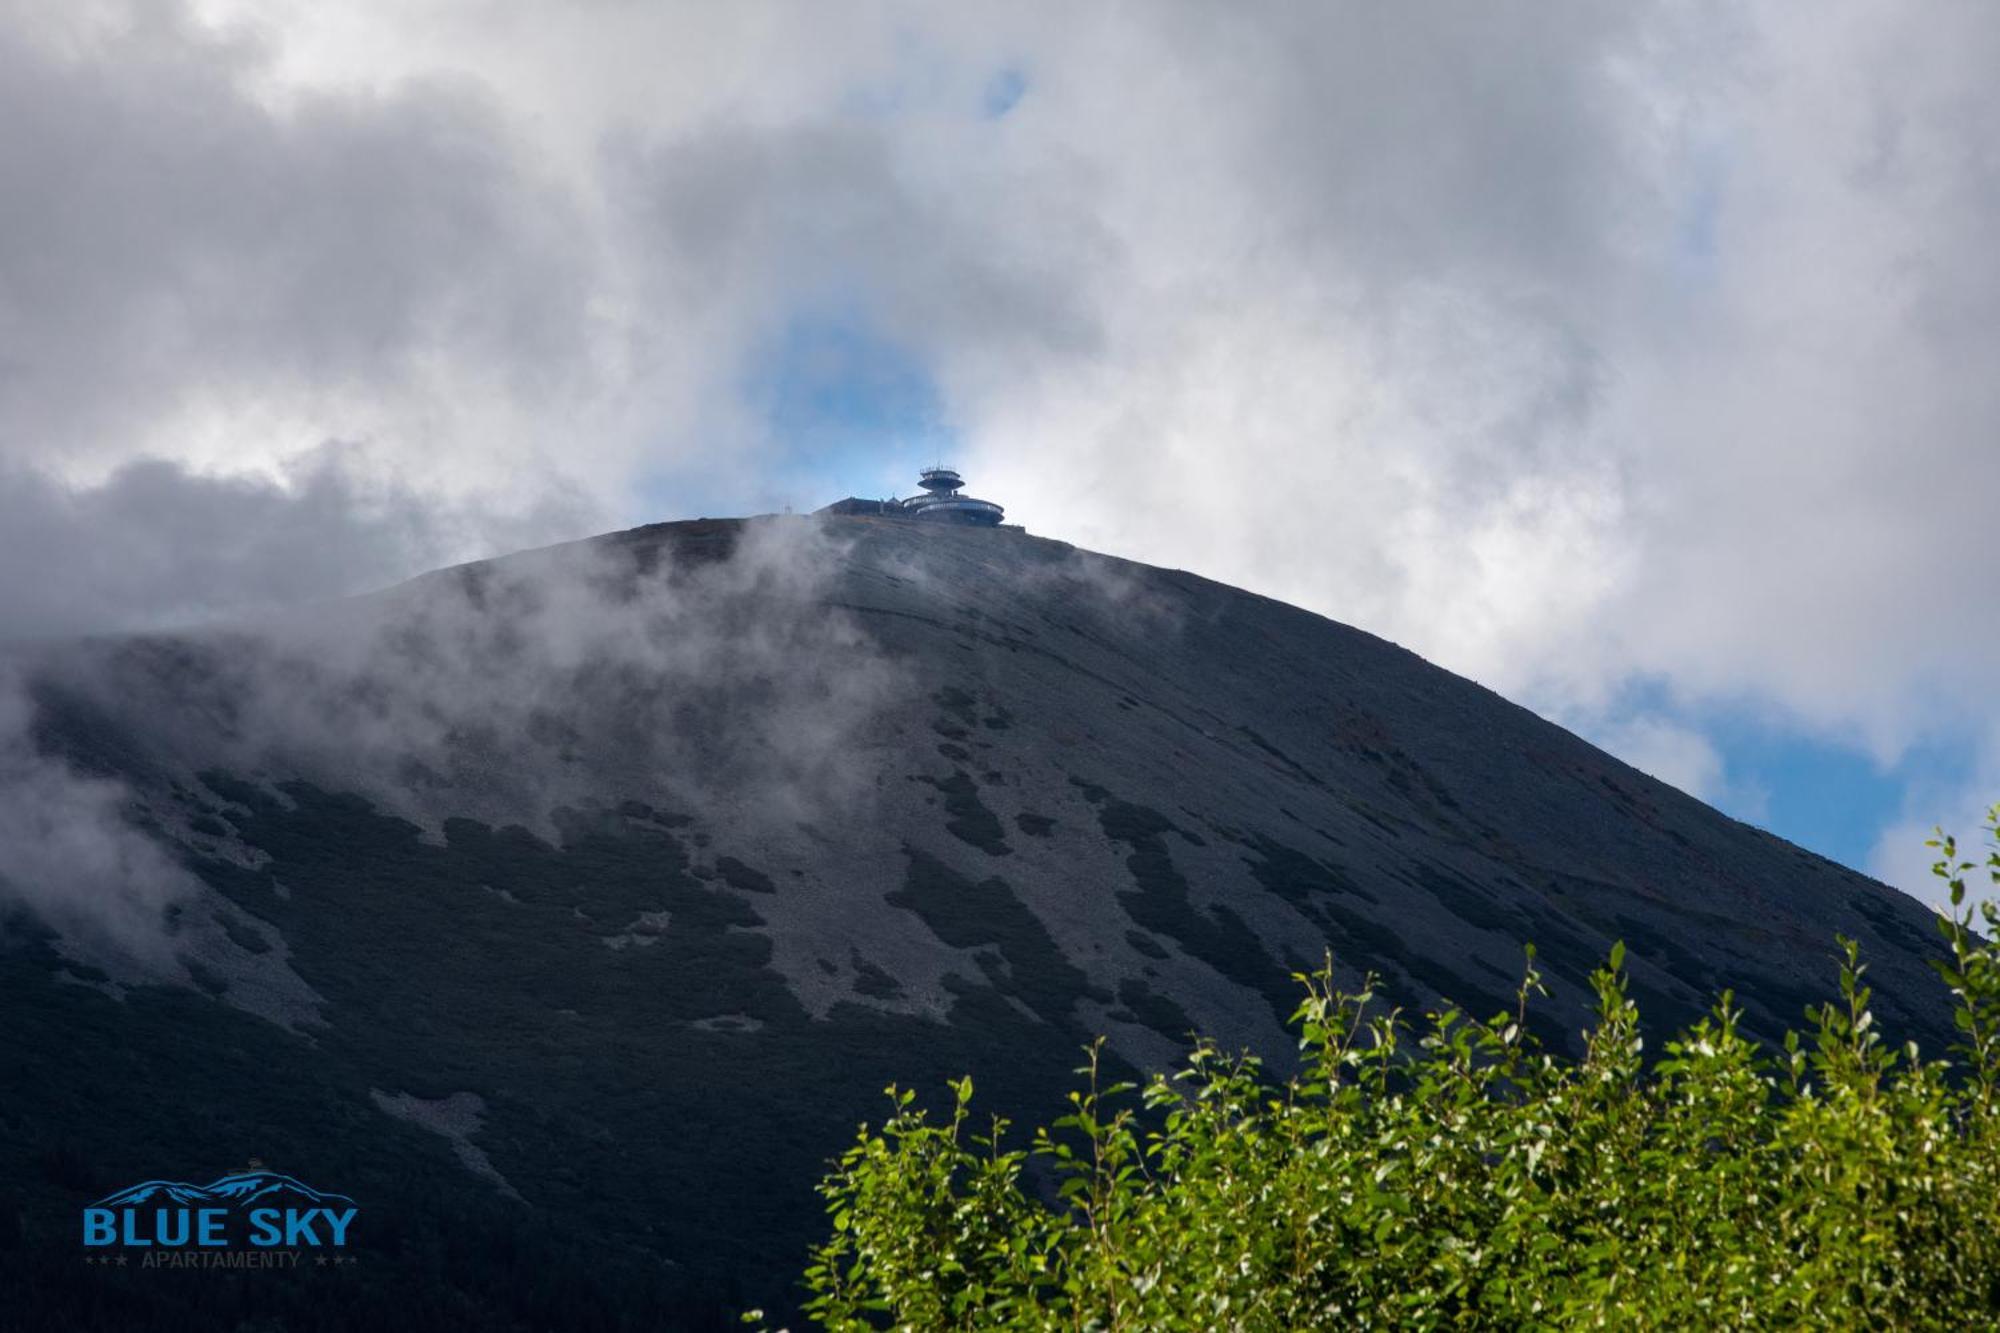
<point>943,501</point>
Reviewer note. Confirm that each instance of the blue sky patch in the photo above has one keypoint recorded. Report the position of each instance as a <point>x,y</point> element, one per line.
<point>1003,93</point>
<point>1825,794</point>
<point>847,408</point>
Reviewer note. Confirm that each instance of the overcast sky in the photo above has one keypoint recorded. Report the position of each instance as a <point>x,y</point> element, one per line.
<point>1637,361</point>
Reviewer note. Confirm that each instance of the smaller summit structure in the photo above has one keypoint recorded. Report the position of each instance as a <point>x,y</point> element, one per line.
<point>941,502</point>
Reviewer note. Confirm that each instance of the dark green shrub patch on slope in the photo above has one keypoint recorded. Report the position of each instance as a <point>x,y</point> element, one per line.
<point>1466,1177</point>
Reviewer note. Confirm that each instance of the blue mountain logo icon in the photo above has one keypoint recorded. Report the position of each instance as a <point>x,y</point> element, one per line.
<point>239,1190</point>
<point>253,1209</point>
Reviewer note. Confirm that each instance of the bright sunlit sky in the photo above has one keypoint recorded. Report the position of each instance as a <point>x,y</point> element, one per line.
<point>1638,361</point>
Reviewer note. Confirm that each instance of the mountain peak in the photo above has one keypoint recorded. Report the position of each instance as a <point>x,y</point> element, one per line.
<point>727,824</point>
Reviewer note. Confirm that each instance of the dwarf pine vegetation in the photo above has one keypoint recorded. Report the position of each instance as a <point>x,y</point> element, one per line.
<point>1453,1173</point>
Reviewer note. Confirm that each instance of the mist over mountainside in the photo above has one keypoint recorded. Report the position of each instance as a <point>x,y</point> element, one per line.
<point>568,910</point>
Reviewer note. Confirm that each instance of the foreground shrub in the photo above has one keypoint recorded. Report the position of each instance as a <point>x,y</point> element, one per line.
<point>1463,1179</point>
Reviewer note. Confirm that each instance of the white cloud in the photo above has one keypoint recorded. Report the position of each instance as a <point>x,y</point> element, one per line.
<point>1672,753</point>
<point>1959,809</point>
<point>1560,342</point>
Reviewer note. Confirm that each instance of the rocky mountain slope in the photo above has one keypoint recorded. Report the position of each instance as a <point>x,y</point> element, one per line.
<point>567,911</point>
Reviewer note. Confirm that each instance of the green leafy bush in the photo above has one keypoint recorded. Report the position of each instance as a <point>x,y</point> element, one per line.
<point>1463,1178</point>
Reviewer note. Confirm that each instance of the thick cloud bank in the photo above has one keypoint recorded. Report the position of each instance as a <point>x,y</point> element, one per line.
<point>1633,360</point>
<point>155,545</point>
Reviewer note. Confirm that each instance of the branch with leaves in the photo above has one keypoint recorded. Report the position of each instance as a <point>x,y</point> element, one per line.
<point>1465,1177</point>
